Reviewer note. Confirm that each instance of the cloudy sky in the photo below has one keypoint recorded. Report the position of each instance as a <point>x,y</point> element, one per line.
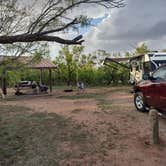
<point>123,29</point>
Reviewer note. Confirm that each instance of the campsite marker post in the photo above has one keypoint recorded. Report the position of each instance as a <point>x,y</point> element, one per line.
<point>154,121</point>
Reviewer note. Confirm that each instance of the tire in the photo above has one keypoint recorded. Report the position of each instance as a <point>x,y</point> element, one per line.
<point>139,102</point>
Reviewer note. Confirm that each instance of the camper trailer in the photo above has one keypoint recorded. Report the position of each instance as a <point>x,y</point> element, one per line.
<point>140,66</point>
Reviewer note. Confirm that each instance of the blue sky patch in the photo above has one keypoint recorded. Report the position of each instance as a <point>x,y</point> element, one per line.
<point>94,22</point>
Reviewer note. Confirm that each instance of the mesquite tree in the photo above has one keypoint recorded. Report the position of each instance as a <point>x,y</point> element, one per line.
<point>38,20</point>
<point>26,24</point>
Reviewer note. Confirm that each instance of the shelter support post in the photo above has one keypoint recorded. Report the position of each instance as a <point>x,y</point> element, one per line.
<point>4,83</point>
<point>41,76</point>
<point>50,79</point>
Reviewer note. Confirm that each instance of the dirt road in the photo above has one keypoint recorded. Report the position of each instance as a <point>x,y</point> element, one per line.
<point>121,134</point>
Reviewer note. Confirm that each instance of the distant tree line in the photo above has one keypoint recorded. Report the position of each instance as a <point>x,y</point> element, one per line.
<point>74,66</point>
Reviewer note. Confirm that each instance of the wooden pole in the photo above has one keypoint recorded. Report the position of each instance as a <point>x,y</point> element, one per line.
<point>4,82</point>
<point>154,121</point>
<point>50,79</point>
<point>41,76</point>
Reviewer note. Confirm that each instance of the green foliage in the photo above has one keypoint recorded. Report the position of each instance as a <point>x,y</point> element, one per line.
<point>13,77</point>
<point>17,71</point>
<point>67,62</point>
<point>74,66</point>
<point>142,49</point>
<point>164,50</point>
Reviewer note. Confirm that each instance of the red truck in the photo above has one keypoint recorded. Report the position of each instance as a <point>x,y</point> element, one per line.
<point>151,92</point>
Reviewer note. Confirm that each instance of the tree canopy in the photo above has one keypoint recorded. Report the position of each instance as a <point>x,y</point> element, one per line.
<point>37,20</point>
<point>26,25</point>
<point>142,49</point>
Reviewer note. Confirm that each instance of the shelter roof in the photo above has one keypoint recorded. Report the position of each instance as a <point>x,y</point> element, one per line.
<point>30,62</point>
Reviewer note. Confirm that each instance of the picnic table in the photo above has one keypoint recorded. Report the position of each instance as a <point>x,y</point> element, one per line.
<point>29,87</point>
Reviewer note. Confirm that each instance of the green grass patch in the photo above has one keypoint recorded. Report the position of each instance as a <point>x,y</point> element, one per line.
<point>35,139</point>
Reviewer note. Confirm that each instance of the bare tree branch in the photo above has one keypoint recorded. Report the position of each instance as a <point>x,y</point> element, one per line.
<point>37,37</point>
<point>19,25</point>
<point>61,28</point>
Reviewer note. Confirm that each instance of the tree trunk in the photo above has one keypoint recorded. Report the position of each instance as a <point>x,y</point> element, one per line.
<point>4,82</point>
<point>50,79</point>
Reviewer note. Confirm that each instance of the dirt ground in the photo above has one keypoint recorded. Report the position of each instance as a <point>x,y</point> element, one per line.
<point>122,135</point>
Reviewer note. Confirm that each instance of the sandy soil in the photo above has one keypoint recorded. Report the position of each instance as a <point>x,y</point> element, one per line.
<point>123,132</point>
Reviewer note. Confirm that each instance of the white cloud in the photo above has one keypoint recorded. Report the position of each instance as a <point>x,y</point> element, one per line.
<point>139,21</point>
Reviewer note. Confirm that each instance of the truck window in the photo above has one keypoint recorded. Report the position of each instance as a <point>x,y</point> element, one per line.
<point>160,74</point>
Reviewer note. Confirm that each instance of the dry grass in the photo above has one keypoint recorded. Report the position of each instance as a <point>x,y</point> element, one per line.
<point>50,139</point>
<point>33,139</point>
<point>98,127</point>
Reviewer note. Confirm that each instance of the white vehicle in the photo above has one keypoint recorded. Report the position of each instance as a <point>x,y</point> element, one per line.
<point>140,66</point>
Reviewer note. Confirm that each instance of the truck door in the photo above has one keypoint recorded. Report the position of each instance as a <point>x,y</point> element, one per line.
<point>162,96</point>
<point>150,93</point>
<point>160,87</point>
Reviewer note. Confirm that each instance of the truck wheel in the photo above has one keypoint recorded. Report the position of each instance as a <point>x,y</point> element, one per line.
<point>139,102</point>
